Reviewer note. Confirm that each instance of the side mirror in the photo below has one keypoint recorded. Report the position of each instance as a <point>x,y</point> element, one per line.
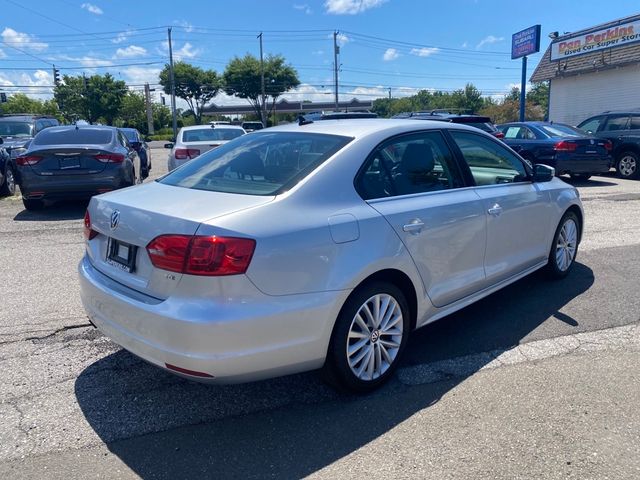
<point>543,173</point>
<point>168,145</point>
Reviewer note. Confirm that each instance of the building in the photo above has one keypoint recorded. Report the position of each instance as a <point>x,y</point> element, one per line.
<point>592,70</point>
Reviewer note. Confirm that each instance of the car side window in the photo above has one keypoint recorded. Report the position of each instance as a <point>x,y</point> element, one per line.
<point>635,122</point>
<point>617,123</point>
<point>490,163</point>
<point>528,134</point>
<point>415,163</point>
<point>591,126</point>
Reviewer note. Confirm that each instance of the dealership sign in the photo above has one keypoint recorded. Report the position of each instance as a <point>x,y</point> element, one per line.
<point>618,36</point>
<point>525,42</point>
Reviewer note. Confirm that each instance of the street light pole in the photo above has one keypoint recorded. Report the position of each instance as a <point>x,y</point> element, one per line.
<point>173,88</point>
<point>262,99</point>
<point>336,50</point>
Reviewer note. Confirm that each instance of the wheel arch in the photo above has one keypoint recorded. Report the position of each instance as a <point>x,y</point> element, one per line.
<point>626,147</point>
<point>578,212</point>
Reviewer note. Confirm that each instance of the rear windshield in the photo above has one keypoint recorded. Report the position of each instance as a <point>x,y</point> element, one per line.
<point>266,163</point>
<point>73,136</point>
<point>487,127</point>
<point>559,130</point>
<point>131,135</point>
<point>208,134</point>
<point>16,129</point>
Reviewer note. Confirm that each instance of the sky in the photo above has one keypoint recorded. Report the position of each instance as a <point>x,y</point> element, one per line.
<point>387,47</point>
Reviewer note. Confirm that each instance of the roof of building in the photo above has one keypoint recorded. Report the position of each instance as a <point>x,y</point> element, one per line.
<point>602,59</point>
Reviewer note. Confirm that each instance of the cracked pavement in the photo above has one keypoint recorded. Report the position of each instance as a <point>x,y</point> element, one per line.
<point>66,390</point>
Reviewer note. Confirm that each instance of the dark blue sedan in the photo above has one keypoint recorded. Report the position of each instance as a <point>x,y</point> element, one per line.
<point>565,148</point>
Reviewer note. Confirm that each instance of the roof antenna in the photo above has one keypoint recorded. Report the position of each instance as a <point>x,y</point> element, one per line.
<point>303,121</point>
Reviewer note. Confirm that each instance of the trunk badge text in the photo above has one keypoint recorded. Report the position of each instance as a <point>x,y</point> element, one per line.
<point>115,219</point>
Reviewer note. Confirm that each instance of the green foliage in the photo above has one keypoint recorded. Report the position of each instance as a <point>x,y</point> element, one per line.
<point>95,98</point>
<point>193,84</point>
<point>20,103</point>
<point>242,78</point>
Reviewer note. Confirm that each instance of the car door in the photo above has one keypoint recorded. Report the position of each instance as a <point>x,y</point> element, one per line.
<point>517,211</point>
<point>615,128</point>
<point>415,183</point>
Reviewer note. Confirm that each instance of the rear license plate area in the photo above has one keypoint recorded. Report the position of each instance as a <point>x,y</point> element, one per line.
<point>70,162</point>
<point>121,255</point>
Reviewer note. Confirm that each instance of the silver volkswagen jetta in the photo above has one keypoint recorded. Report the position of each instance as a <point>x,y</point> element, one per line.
<point>319,245</point>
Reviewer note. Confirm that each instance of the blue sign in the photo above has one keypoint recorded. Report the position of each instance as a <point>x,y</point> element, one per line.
<point>525,42</point>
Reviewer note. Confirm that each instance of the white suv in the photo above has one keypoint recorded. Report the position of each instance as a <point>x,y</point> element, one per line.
<point>195,140</point>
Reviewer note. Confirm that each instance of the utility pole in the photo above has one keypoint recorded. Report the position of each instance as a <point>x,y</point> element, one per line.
<point>523,86</point>
<point>263,115</point>
<point>147,98</point>
<point>336,50</point>
<point>389,93</point>
<point>173,88</point>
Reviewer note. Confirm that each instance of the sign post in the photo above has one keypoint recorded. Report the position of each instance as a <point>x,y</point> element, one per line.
<point>524,43</point>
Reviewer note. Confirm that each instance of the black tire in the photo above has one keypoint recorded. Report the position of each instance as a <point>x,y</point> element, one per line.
<point>337,370</point>
<point>33,205</point>
<point>9,185</point>
<point>628,165</point>
<point>580,176</point>
<point>554,269</point>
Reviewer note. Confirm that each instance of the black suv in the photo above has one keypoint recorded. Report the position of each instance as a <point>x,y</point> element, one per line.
<point>478,121</point>
<point>16,132</point>
<point>622,128</point>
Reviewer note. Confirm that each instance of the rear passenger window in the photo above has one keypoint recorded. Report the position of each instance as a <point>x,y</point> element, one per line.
<point>635,122</point>
<point>490,163</point>
<point>617,123</point>
<point>416,163</point>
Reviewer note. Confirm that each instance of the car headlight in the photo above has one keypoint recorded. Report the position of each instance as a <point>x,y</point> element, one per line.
<point>17,151</point>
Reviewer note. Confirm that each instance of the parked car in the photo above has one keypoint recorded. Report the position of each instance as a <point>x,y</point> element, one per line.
<point>75,162</point>
<point>252,126</point>
<point>622,129</point>
<point>319,245</point>
<point>16,132</point>
<point>483,123</point>
<point>138,143</point>
<point>195,140</point>
<point>337,115</point>
<point>563,147</point>
<point>7,178</point>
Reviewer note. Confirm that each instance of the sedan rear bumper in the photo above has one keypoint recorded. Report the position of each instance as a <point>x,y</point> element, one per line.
<point>223,340</point>
<point>585,164</point>
<point>58,187</point>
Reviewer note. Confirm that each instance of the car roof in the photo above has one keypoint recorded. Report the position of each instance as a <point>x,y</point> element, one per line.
<point>356,128</point>
<point>128,129</point>
<point>25,116</point>
<point>79,127</point>
<point>209,125</point>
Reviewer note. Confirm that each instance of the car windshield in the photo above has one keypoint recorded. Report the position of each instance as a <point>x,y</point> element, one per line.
<point>209,134</point>
<point>559,130</point>
<point>258,164</point>
<point>73,136</point>
<point>16,129</point>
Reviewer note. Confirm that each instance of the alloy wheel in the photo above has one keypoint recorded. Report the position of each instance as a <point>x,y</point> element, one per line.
<point>566,245</point>
<point>375,337</point>
<point>627,166</point>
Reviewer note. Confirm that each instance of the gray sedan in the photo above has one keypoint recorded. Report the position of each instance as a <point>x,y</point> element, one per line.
<point>319,245</point>
<point>75,162</point>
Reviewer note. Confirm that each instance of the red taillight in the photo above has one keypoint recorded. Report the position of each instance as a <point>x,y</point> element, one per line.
<point>608,145</point>
<point>109,157</point>
<point>565,146</point>
<point>186,153</point>
<point>28,160</point>
<point>89,233</point>
<point>498,134</point>
<point>200,255</point>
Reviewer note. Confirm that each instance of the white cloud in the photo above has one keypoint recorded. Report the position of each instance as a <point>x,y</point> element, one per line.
<point>96,10</point>
<point>317,52</point>
<point>40,78</point>
<point>186,25</point>
<point>489,40</point>
<point>187,51</point>
<point>350,7</point>
<point>465,45</point>
<point>85,61</point>
<point>425,51</point>
<point>131,51</point>
<point>121,37</point>
<point>138,75</point>
<point>390,54</point>
<point>2,54</point>
<point>342,39</point>
<point>303,8</point>
<point>22,40</point>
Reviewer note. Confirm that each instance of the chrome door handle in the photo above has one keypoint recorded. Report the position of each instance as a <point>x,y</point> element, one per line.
<point>496,210</point>
<point>414,226</point>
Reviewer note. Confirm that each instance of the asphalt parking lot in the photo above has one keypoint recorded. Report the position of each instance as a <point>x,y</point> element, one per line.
<point>467,402</point>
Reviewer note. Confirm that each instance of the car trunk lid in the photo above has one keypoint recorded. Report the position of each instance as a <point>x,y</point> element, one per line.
<point>71,160</point>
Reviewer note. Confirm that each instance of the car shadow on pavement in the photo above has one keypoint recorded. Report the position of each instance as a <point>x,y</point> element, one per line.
<point>54,212</point>
<point>592,182</point>
<point>162,426</point>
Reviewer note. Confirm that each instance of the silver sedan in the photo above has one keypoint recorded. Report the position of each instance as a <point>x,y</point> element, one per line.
<point>319,245</point>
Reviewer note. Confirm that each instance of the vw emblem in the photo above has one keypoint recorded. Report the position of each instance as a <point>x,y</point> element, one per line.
<point>592,142</point>
<point>115,219</point>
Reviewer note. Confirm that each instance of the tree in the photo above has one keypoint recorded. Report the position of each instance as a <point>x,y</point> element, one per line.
<point>242,78</point>
<point>21,103</point>
<point>133,113</point>
<point>94,98</point>
<point>193,84</point>
<point>539,96</point>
